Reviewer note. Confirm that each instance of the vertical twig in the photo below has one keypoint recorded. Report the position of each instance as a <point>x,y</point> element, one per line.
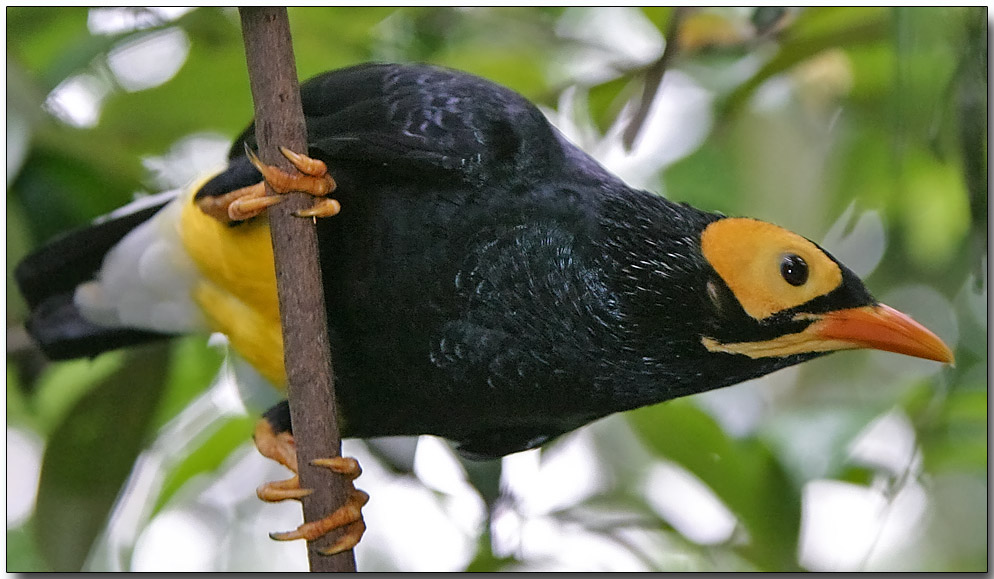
<point>279,120</point>
<point>654,78</point>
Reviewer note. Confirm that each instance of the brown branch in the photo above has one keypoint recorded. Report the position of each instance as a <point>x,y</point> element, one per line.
<point>654,78</point>
<point>279,120</point>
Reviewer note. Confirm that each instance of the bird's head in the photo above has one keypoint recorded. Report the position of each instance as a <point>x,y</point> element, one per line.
<point>720,300</point>
<point>775,294</point>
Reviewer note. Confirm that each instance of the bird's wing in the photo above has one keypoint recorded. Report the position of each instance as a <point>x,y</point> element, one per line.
<point>426,118</point>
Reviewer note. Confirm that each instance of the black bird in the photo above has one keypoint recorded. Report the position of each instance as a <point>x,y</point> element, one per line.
<point>485,279</point>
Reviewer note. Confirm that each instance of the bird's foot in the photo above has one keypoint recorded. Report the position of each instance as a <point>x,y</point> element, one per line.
<point>280,447</point>
<point>313,180</point>
<point>251,201</point>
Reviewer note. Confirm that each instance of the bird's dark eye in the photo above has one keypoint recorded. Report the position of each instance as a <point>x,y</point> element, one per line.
<point>794,269</point>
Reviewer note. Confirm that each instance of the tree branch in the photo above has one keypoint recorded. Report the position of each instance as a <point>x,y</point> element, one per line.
<point>279,120</point>
<point>654,78</point>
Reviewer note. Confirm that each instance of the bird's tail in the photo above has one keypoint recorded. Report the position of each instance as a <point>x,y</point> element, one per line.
<point>113,249</point>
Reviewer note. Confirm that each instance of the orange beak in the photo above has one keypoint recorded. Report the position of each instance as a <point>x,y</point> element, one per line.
<point>882,328</point>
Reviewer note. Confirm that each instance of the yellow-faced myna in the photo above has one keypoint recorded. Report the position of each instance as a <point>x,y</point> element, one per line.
<point>485,280</point>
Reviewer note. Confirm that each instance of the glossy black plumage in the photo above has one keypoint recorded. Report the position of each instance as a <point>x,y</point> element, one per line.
<point>489,282</point>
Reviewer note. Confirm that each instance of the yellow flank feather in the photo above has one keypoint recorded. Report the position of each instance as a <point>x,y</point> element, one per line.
<point>238,292</point>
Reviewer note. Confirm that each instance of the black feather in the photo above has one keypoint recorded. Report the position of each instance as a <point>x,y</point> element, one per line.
<point>488,281</point>
<point>48,278</point>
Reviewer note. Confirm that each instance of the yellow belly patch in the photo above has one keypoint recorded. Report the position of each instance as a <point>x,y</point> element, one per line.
<point>255,337</point>
<point>238,293</point>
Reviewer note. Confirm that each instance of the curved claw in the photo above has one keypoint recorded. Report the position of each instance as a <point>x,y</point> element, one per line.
<point>249,207</point>
<point>347,516</point>
<point>343,465</point>
<point>314,180</point>
<point>281,447</point>
<point>305,164</point>
<point>349,539</point>
<point>321,208</point>
<point>248,202</point>
<point>282,490</point>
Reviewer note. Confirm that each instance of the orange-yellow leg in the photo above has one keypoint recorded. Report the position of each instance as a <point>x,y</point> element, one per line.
<point>280,447</point>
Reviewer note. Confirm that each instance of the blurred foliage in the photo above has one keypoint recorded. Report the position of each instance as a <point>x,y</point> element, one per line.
<point>815,110</point>
<point>746,475</point>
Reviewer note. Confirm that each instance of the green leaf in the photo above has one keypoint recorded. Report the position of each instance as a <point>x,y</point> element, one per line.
<point>658,15</point>
<point>827,21</point>
<point>22,551</point>
<point>229,435</point>
<point>49,42</point>
<point>60,387</point>
<point>805,42</point>
<point>61,191</point>
<point>90,455</point>
<point>607,99</point>
<point>952,430</point>
<point>18,246</point>
<point>193,367</point>
<point>207,457</point>
<point>209,93</point>
<point>824,450</point>
<point>934,210</point>
<point>352,43</point>
<point>17,404</point>
<point>744,474</point>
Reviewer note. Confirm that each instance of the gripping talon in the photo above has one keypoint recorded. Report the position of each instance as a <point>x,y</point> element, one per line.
<point>348,540</point>
<point>280,447</point>
<point>343,465</point>
<point>248,207</point>
<point>305,164</point>
<point>282,490</point>
<point>248,202</point>
<point>238,205</point>
<point>344,517</point>
<point>314,181</point>
<point>321,208</point>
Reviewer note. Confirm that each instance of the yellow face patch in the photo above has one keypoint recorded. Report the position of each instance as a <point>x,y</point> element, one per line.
<point>749,255</point>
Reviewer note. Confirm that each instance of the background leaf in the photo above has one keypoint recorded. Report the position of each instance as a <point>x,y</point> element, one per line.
<point>744,474</point>
<point>90,454</point>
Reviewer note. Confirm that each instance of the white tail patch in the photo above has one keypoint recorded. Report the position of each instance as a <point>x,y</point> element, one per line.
<point>146,280</point>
